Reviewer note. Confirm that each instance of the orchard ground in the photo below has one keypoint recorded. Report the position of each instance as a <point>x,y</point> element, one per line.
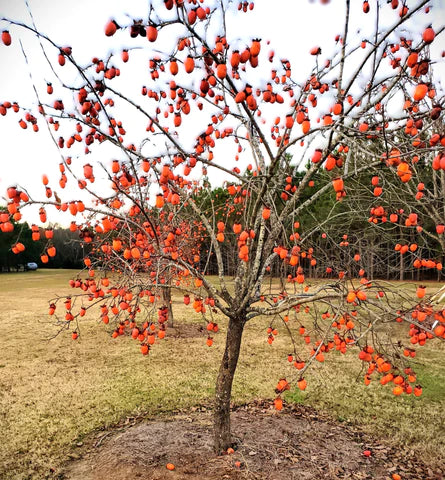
<point>61,400</point>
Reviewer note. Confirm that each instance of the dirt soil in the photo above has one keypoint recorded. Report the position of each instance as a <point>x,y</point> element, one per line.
<point>296,443</point>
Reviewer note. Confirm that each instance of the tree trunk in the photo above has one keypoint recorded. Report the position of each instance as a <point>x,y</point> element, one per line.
<point>223,390</point>
<point>167,300</point>
<point>402,268</point>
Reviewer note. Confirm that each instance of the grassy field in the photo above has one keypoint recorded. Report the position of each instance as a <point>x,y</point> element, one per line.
<point>55,392</point>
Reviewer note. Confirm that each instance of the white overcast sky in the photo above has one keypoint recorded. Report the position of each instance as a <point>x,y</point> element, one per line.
<point>292,26</point>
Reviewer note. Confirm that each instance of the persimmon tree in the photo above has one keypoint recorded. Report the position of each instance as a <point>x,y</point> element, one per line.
<point>213,109</point>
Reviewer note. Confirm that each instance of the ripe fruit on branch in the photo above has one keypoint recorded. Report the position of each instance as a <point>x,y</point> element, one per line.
<point>6,38</point>
<point>420,291</point>
<point>338,184</point>
<point>302,384</point>
<point>428,35</point>
<point>420,91</point>
<point>189,64</point>
<point>266,213</point>
<point>110,28</point>
<point>152,33</point>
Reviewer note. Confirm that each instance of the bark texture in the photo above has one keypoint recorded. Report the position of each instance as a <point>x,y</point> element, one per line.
<point>223,391</point>
<point>167,300</point>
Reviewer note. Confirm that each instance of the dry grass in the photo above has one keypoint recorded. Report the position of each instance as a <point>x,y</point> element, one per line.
<point>53,393</point>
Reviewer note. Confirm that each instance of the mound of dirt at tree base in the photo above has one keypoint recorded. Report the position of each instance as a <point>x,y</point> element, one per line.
<point>296,443</point>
